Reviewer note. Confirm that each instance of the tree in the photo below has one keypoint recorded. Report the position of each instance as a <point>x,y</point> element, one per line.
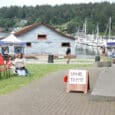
<point>71,27</point>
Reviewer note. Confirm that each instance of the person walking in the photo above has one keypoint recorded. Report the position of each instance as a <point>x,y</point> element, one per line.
<point>68,54</point>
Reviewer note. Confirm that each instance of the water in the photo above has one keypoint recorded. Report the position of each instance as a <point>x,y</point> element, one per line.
<point>85,51</point>
<point>2,34</point>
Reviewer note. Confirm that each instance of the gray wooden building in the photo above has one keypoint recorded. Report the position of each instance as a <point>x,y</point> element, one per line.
<point>44,39</point>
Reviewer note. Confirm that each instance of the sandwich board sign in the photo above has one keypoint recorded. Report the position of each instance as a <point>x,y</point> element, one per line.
<point>78,80</point>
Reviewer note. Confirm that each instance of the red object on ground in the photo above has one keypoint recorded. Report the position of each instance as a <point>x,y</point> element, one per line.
<point>1,60</point>
<point>65,78</point>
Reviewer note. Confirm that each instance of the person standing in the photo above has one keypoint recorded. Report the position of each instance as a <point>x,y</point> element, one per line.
<point>68,54</point>
<point>103,53</point>
<point>6,51</point>
<point>113,52</point>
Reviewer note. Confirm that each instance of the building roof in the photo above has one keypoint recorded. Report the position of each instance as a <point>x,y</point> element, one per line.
<point>35,25</point>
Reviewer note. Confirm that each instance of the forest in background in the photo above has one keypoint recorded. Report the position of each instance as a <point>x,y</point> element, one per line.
<point>68,18</point>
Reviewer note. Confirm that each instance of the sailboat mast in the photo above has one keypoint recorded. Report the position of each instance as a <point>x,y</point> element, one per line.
<point>109,27</point>
<point>97,33</point>
<point>85,26</point>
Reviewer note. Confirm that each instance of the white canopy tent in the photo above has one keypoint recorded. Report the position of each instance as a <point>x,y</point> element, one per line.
<point>12,40</point>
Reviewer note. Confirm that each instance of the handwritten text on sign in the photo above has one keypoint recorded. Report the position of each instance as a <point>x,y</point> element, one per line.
<point>77,76</point>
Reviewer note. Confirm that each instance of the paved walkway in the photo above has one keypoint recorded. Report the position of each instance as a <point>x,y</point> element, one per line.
<point>60,61</point>
<point>48,96</point>
<point>105,85</point>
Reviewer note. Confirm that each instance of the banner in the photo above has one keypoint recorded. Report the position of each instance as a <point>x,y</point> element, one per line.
<point>77,76</point>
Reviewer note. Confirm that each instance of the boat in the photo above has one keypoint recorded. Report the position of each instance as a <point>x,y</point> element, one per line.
<point>111,43</point>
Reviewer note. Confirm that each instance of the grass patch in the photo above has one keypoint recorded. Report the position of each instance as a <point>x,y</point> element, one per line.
<point>75,60</point>
<point>107,59</point>
<point>37,71</point>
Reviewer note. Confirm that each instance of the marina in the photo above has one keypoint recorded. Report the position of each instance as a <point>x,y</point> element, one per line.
<point>46,40</point>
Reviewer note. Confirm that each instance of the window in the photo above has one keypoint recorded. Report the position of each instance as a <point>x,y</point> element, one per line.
<point>42,36</point>
<point>65,44</point>
<point>18,49</point>
<point>28,44</point>
<point>5,50</point>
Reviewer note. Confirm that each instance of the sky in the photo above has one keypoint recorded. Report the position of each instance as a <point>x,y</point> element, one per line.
<point>44,2</point>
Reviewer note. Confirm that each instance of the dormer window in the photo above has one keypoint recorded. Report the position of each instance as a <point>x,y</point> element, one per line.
<point>42,36</point>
